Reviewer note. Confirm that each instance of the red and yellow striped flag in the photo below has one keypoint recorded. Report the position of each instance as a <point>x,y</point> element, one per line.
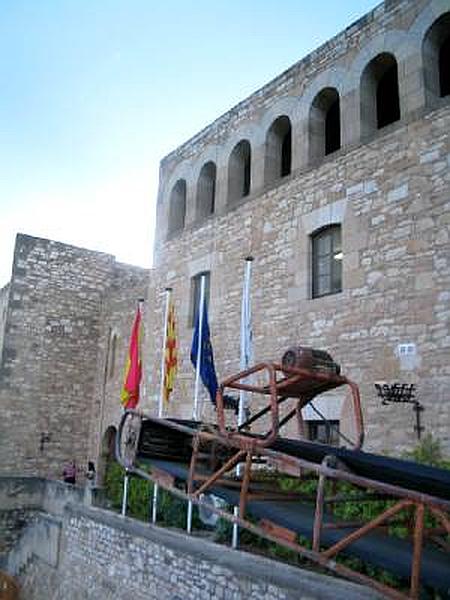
<point>133,369</point>
<point>171,359</point>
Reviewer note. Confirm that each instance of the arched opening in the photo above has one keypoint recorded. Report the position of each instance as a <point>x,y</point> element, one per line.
<point>177,207</point>
<point>324,124</point>
<point>380,100</point>
<point>436,59</point>
<point>278,150</point>
<point>239,174</point>
<point>107,453</point>
<point>206,191</point>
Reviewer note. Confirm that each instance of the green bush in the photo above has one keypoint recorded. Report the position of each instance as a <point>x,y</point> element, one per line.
<point>139,492</point>
<point>428,452</point>
<point>171,512</point>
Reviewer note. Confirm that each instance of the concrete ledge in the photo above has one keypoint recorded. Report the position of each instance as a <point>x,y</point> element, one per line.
<point>37,493</point>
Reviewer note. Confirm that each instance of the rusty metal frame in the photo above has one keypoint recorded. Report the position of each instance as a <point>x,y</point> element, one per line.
<point>249,448</point>
<point>283,383</point>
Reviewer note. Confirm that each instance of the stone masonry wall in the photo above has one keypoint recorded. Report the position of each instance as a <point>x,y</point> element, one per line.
<point>50,353</point>
<point>95,554</point>
<point>389,191</point>
<point>339,50</point>
<point>392,198</point>
<point>397,28</point>
<point>4,299</point>
<point>128,286</point>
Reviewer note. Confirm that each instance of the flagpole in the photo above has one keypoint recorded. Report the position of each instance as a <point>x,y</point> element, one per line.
<point>125,493</point>
<point>168,291</point>
<point>245,360</point>
<point>195,415</point>
<point>246,342</point>
<point>140,304</point>
<point>197,376</point>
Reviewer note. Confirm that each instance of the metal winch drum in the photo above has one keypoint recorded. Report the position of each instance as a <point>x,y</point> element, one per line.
<point>304,357</point>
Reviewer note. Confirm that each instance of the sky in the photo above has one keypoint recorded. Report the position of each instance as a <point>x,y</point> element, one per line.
<point>94,93</point>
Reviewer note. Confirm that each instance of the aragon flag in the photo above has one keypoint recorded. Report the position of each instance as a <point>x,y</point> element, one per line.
<point>133,368</point>
<point>170,354</point>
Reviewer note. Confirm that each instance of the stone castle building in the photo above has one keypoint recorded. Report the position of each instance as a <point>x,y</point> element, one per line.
<point>62,306</point>
<point>335,178</point>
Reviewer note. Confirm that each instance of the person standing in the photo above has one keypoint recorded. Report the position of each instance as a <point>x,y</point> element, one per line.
<point>90,474</point>
<point>70,473</point>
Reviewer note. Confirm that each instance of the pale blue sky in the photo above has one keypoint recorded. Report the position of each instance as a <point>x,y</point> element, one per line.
<point>95,92</point>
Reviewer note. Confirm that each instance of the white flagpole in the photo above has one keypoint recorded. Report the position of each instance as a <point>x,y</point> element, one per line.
<point>168,291</point>
<point>195,414</point>
<point>126,478</point>
<point>246,341</point>
<point>125,494</point>
<point>246,357</point>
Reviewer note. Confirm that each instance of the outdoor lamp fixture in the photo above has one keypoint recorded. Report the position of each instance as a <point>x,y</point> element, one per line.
<point>339,255</point>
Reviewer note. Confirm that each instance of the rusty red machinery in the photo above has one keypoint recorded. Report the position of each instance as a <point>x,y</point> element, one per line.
<point>192,458</point>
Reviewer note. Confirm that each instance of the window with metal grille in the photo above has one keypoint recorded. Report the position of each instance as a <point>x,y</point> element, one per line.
<point>326,261</point>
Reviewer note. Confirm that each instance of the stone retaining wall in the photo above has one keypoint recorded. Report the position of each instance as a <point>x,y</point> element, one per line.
<point>81,552</point>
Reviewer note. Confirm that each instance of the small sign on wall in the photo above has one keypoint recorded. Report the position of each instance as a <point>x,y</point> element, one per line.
<point>407,355</point>
<point>408,349</point>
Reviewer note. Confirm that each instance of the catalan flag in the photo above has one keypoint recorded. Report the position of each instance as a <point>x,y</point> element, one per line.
<point>170,354</point>
<point>133,368</point>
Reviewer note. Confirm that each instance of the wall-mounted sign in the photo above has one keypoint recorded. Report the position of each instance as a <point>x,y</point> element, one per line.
<point>396,392</point>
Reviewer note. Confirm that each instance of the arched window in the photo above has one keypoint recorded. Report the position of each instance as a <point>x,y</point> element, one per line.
<point>239,175</point>
<point>206,191</point>
<point>177,207</point>
<point>107,455</point>
<point>436,58</point>
<point>324,124</point>
<point>277,160</point>
<point>326,246</point>
<point>380,101</point>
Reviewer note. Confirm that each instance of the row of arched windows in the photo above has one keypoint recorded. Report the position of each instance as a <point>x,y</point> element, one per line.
<point>379,107</point>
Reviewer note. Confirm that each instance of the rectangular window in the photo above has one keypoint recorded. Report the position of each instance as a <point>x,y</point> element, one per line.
<point>327,261</point>
<point>195,295</point>
<point>324,432</point>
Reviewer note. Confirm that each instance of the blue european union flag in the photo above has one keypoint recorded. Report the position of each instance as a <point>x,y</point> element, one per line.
<point>207,369</point>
